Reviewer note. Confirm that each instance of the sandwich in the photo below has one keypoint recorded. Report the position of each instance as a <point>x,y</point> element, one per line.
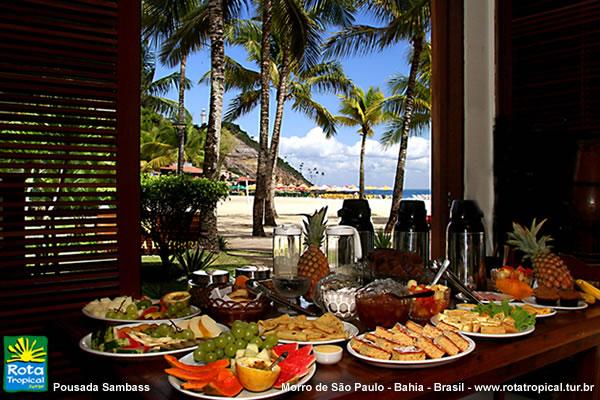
<point>413,326</point>
<point>446,327</point>
<point>369,349</point>
<point>457,339</point>
<point>401,329</point>
<point>430,331</point>
<point>447,345</point>
<point>430,348</point>
<point>408,353</point>
<point>397,336</point>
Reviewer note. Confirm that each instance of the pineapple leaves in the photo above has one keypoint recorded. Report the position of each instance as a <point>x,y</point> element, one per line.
<point>527,241</point>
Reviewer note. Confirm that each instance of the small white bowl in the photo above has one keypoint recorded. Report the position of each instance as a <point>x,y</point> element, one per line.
<point>328,358</point>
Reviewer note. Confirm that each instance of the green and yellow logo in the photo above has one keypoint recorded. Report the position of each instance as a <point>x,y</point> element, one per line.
<point>25,363</point>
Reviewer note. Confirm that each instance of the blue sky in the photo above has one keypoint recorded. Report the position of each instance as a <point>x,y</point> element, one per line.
<point>303,141</point>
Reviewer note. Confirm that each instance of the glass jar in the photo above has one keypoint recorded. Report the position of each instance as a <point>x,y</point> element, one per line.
<point>337,294</point>
<point>343,248</point>
<point>287,246</point>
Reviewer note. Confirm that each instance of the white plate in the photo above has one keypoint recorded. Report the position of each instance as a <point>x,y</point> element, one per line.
<point>462,306</point>
<point>581,306</point>
<point>195,311</point>
<point>411,364</point>
<point>85,344</point>
<point>553,313</point>
<point>244,394</point>
<point>350,329</point>
<point>434,321</point>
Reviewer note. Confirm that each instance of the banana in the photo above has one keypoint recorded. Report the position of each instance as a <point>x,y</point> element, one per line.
<point>588,298</point>
<point>588,288</point>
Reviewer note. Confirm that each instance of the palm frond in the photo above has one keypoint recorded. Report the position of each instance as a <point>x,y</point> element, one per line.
<point>162,85</point>
<point>356,40</point>
<point>296,25</point>
<point>242,104</point>
<point>160,18</point>
<point>160,105</point>
<point>420,123</point>
<point>304,103</point>
<point>191,35</point>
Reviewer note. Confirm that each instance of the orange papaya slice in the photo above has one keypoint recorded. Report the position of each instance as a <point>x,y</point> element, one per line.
<point>192,376</point>
<point>175,363</point>
<point>196,386</point>
<point>225,384</point>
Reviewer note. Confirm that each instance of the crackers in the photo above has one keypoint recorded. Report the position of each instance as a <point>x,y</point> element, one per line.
<point>302,329</point>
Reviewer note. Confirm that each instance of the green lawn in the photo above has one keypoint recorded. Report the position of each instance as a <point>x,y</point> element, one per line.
<point>156,280</point>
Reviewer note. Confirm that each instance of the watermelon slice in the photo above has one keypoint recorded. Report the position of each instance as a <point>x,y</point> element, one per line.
<point>301,356</point>
<point>290,373</point>
<point>295,366</point>
<point>280,349</point>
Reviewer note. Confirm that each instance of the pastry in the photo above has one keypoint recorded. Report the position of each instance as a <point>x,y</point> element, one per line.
<point>546,296</point>
<point>569,298</point>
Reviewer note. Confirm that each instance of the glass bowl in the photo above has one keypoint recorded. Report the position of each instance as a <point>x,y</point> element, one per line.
<point>377,306</point>
<point>422,309</point>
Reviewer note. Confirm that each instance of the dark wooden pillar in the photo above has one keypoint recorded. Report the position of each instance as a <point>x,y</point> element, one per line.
<point>447,125</point>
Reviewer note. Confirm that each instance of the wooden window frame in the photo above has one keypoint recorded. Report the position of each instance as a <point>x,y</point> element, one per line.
<point>447,115</point>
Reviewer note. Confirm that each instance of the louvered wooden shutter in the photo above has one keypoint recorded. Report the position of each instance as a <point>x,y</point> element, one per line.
<point>69,156</point>
<point>555,59</point>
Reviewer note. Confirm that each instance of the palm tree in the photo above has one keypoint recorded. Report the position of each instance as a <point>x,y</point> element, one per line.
<point>159,143</point>
<point>403,20</point>
<point>292,83</point>
<point>160,20</point>
<point>206,24</point>
<point>421,119</point>
<point>289,19</point>
<point>364,110</point>
<point>419,122</point>
<point>152,91</point>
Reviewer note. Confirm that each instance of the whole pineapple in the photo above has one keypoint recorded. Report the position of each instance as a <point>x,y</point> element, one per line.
<point>550,270</point>
<point>313,263</point>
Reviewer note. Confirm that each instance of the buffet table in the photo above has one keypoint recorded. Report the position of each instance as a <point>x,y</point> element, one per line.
<point>571,334</point>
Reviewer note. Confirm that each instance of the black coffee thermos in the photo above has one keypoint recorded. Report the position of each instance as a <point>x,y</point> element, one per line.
<point>357,213</point>
<point>465,243</point>
<point>411,233</point>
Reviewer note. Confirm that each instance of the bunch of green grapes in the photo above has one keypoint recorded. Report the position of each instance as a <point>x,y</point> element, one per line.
<point>168,330</point>
<point>228,343</point>
<point>131,312</point>
<point>178,310</point>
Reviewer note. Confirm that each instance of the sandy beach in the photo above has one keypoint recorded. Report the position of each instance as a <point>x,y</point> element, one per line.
<point>235,219</point>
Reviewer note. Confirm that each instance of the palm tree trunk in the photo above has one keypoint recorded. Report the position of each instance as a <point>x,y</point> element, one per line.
<point>181,117</point>
<point>417,43</point>
<point>361,177</point>
<point>258,208</point>
<point>270,213</point>
<point>208,218</point>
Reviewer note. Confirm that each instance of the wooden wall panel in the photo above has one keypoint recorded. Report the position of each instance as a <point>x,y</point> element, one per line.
<point>548,102</point>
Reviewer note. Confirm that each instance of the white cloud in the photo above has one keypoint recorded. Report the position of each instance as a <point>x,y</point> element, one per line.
<point>340,161</point>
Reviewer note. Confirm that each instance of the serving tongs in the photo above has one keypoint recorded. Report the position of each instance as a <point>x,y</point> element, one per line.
<point>257,287</point>
<point>461,287</point>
